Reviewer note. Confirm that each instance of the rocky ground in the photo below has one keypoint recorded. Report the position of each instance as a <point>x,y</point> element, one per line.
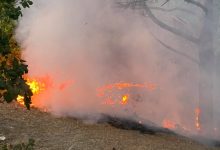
<point>18,125</point>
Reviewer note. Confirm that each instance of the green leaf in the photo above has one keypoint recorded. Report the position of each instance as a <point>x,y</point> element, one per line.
<point>11,73</point>
<point>10,95</point>
<point>30,2</point>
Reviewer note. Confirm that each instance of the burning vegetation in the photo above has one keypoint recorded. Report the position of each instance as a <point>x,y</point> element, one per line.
<point>123,94</point>
<point>197,119</point>
<point>169,124</point>
<point>36,87</point>
<point>110,63</point>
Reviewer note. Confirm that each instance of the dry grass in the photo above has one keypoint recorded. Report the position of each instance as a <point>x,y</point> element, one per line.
<point>51,133</point>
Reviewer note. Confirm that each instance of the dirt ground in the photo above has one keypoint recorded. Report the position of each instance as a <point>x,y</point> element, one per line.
<point>52,133</point>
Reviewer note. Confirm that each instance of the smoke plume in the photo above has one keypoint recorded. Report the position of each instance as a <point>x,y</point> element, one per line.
<point>81,46</point>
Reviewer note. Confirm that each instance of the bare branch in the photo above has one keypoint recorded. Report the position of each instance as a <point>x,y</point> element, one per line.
<point>141,4</point>
<point>169,28</point>
<point>165,2</point>
<point>198,4</point>
<point>176,51</point>
<point>173,9</point>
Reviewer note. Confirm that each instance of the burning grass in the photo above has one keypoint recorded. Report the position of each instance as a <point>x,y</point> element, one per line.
<point>122,95</point>
<point>36,87</point>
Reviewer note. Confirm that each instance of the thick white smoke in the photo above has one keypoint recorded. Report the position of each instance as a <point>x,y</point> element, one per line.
<point>83,45</point>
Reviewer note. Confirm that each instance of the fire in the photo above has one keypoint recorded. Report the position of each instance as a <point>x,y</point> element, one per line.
<point>119,93</point>
<point>197,120</point>
<point>169,124</point>
<point>123,85</point>
<point>35,86</point>
<point>124,100</point>
<point>20,99</point>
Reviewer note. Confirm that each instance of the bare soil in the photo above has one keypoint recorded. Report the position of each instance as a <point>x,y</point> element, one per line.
<point>52,133</point>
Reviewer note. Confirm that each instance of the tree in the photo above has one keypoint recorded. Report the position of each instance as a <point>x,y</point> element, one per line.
<point>204,43</point>
<point>12,67</point>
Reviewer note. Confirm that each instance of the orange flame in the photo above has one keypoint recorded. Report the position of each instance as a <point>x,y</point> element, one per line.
<point>36,87</point>
<point>197,121</point>
<point>107,91</point>
<point>124,100</point>
<point>122,85</point>
<point>169,124</point>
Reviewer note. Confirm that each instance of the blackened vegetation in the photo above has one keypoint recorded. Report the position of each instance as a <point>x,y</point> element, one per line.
<point>128,124</point>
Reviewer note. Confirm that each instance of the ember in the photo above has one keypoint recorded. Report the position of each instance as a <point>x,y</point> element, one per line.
<point>124,100</point>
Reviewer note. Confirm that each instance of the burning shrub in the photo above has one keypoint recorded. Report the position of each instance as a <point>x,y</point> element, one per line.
<point>12,67</point>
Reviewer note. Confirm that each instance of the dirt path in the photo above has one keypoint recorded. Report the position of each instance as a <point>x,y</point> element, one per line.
<point>51,133</point>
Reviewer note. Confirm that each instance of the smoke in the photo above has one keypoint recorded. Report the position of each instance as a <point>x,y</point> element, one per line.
<point>79,46</point>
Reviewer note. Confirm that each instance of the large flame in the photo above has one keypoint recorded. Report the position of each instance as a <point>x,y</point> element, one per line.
<point>112,94</point>
<point>36,87</point>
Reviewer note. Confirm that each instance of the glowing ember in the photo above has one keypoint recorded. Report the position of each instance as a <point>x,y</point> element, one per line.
<point>169,124</point>
<point>124,100</point>
<point>35,86</point>
<point>197,123</point>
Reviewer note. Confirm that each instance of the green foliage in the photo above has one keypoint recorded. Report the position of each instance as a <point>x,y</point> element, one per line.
<point>12,67</point>
<point>26,3</point>
<point>21,146</point>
